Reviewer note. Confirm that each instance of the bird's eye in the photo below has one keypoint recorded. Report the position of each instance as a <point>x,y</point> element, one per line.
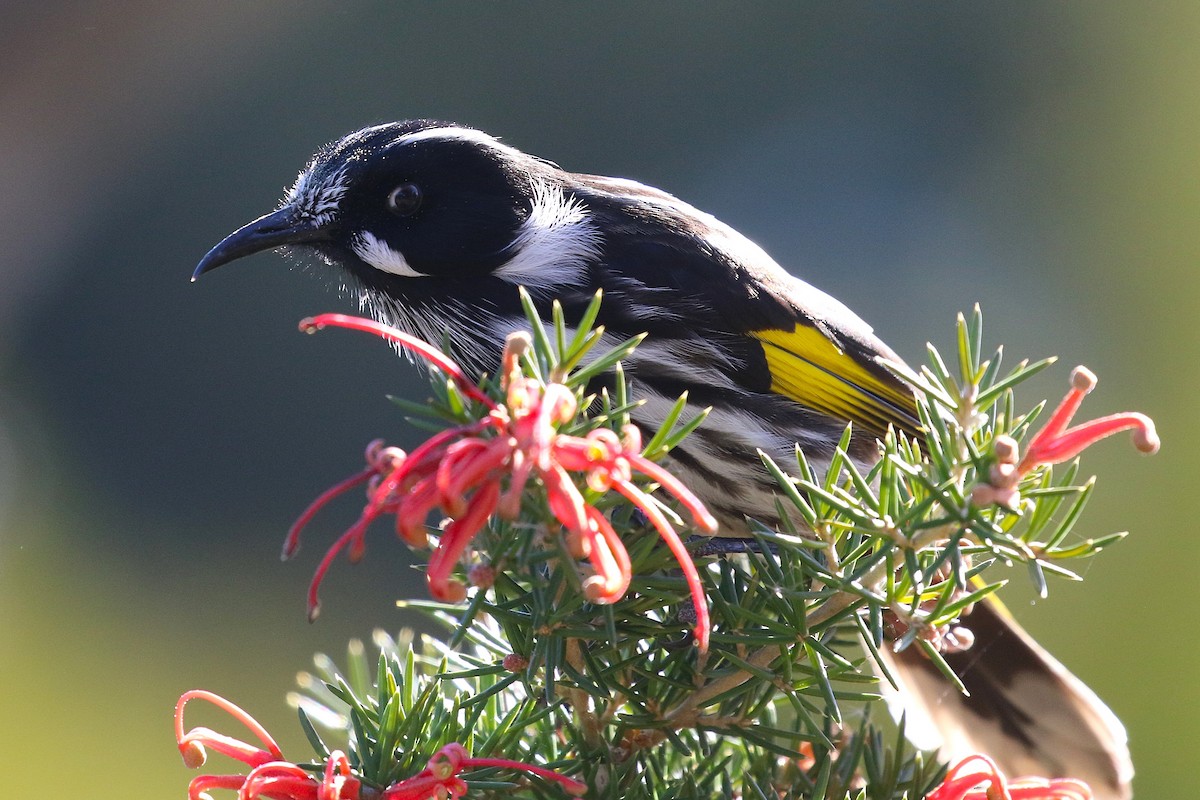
<point>404,200</point>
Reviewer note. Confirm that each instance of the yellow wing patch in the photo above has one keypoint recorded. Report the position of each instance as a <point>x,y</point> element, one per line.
<point>813,371</point>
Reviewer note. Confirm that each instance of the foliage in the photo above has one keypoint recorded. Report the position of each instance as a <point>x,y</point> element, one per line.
<point>779,702</point>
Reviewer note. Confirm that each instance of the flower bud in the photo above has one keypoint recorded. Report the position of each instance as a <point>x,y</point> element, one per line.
<point>1006,449</point>
<point>515,663</point>
<point>482,576</point>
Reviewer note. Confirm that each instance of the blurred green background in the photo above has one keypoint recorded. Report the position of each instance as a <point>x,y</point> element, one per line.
<point>157,437</point>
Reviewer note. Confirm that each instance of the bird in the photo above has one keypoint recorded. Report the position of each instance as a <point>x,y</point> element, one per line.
<point>434,226</point>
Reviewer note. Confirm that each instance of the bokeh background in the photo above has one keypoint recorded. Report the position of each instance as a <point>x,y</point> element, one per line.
<point>157,437</point>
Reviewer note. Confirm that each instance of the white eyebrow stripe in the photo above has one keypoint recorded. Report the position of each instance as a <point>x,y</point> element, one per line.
<point>456,134</point>
<point>381,256</point>
<point>554,245</point>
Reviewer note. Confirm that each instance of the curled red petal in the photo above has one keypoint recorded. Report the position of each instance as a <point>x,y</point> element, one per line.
<point>961,778</point>
<point>194,746</point>
<point>977,777</point>
<point>414,510</point>
<point>202,784</point>
<point>609,558</point>
<point>425,459</point>
<point>418,346</point>
<point>454,541</point>
<point>385,496</point>
<point>448,761</point>
<point>476,468</point>
<point>566,503</point>
<point>599,480</point>
<point>452,462</point>
<point>603,448</point>
<point>668,534</point>
<point>279,780</point>
<point>339,782</point>
<point>373,452</point>
<point>421,786</point>
<point>244,752</point>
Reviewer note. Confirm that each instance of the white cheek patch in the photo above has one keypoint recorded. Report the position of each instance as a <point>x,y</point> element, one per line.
<point>381,256</point>
<point>555,245</point>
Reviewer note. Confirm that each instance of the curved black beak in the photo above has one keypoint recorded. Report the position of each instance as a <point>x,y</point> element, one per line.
<point>277,229</point>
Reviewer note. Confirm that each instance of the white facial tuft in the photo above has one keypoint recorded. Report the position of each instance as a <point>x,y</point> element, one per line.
<point>471,329</point>
<point>554,245</point>
<point>381,256</point>
<point>318,200</point>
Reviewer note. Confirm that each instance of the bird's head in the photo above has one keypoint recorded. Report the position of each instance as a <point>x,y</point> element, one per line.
<point>423,202</point>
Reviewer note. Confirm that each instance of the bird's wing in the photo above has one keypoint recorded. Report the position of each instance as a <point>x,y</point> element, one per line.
<point>812,369</point>
<point>796,340</point>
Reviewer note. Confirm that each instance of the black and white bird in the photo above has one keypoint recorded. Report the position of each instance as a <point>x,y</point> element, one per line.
<point>436,225</point>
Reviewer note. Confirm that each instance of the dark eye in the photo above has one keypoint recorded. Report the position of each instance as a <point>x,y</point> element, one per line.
<point>404,200</point>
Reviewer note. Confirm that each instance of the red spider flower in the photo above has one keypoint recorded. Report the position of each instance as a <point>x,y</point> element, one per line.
<point>440,777</point>
<point>1056,443</point>
<point>481,469</point>
<point>272,777</point>
<point>978,778</point>
<point>193,744</point>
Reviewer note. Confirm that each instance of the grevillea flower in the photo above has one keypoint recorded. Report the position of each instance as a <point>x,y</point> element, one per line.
<point>978,778</point>
<point>1056,443</point>
<point>272,777</point>
<point>440,777</point>
<point>481,469</point>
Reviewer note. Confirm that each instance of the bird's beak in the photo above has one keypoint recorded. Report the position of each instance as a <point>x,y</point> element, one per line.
<point>277,229</point>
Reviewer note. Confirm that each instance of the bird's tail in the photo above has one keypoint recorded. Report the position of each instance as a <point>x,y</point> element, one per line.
<point>1024,709</point>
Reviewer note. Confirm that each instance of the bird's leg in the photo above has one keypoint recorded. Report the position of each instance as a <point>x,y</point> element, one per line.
<point>722,546</point>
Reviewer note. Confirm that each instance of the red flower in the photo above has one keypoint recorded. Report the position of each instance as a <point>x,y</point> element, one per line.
<point>272,777</point>
<point>1056,443</point>
<point>440,777</point>
<point>978,778</point>
<point>478,470</point>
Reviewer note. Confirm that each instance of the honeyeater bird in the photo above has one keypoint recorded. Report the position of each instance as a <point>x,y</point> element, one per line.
<point>435,226</point>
